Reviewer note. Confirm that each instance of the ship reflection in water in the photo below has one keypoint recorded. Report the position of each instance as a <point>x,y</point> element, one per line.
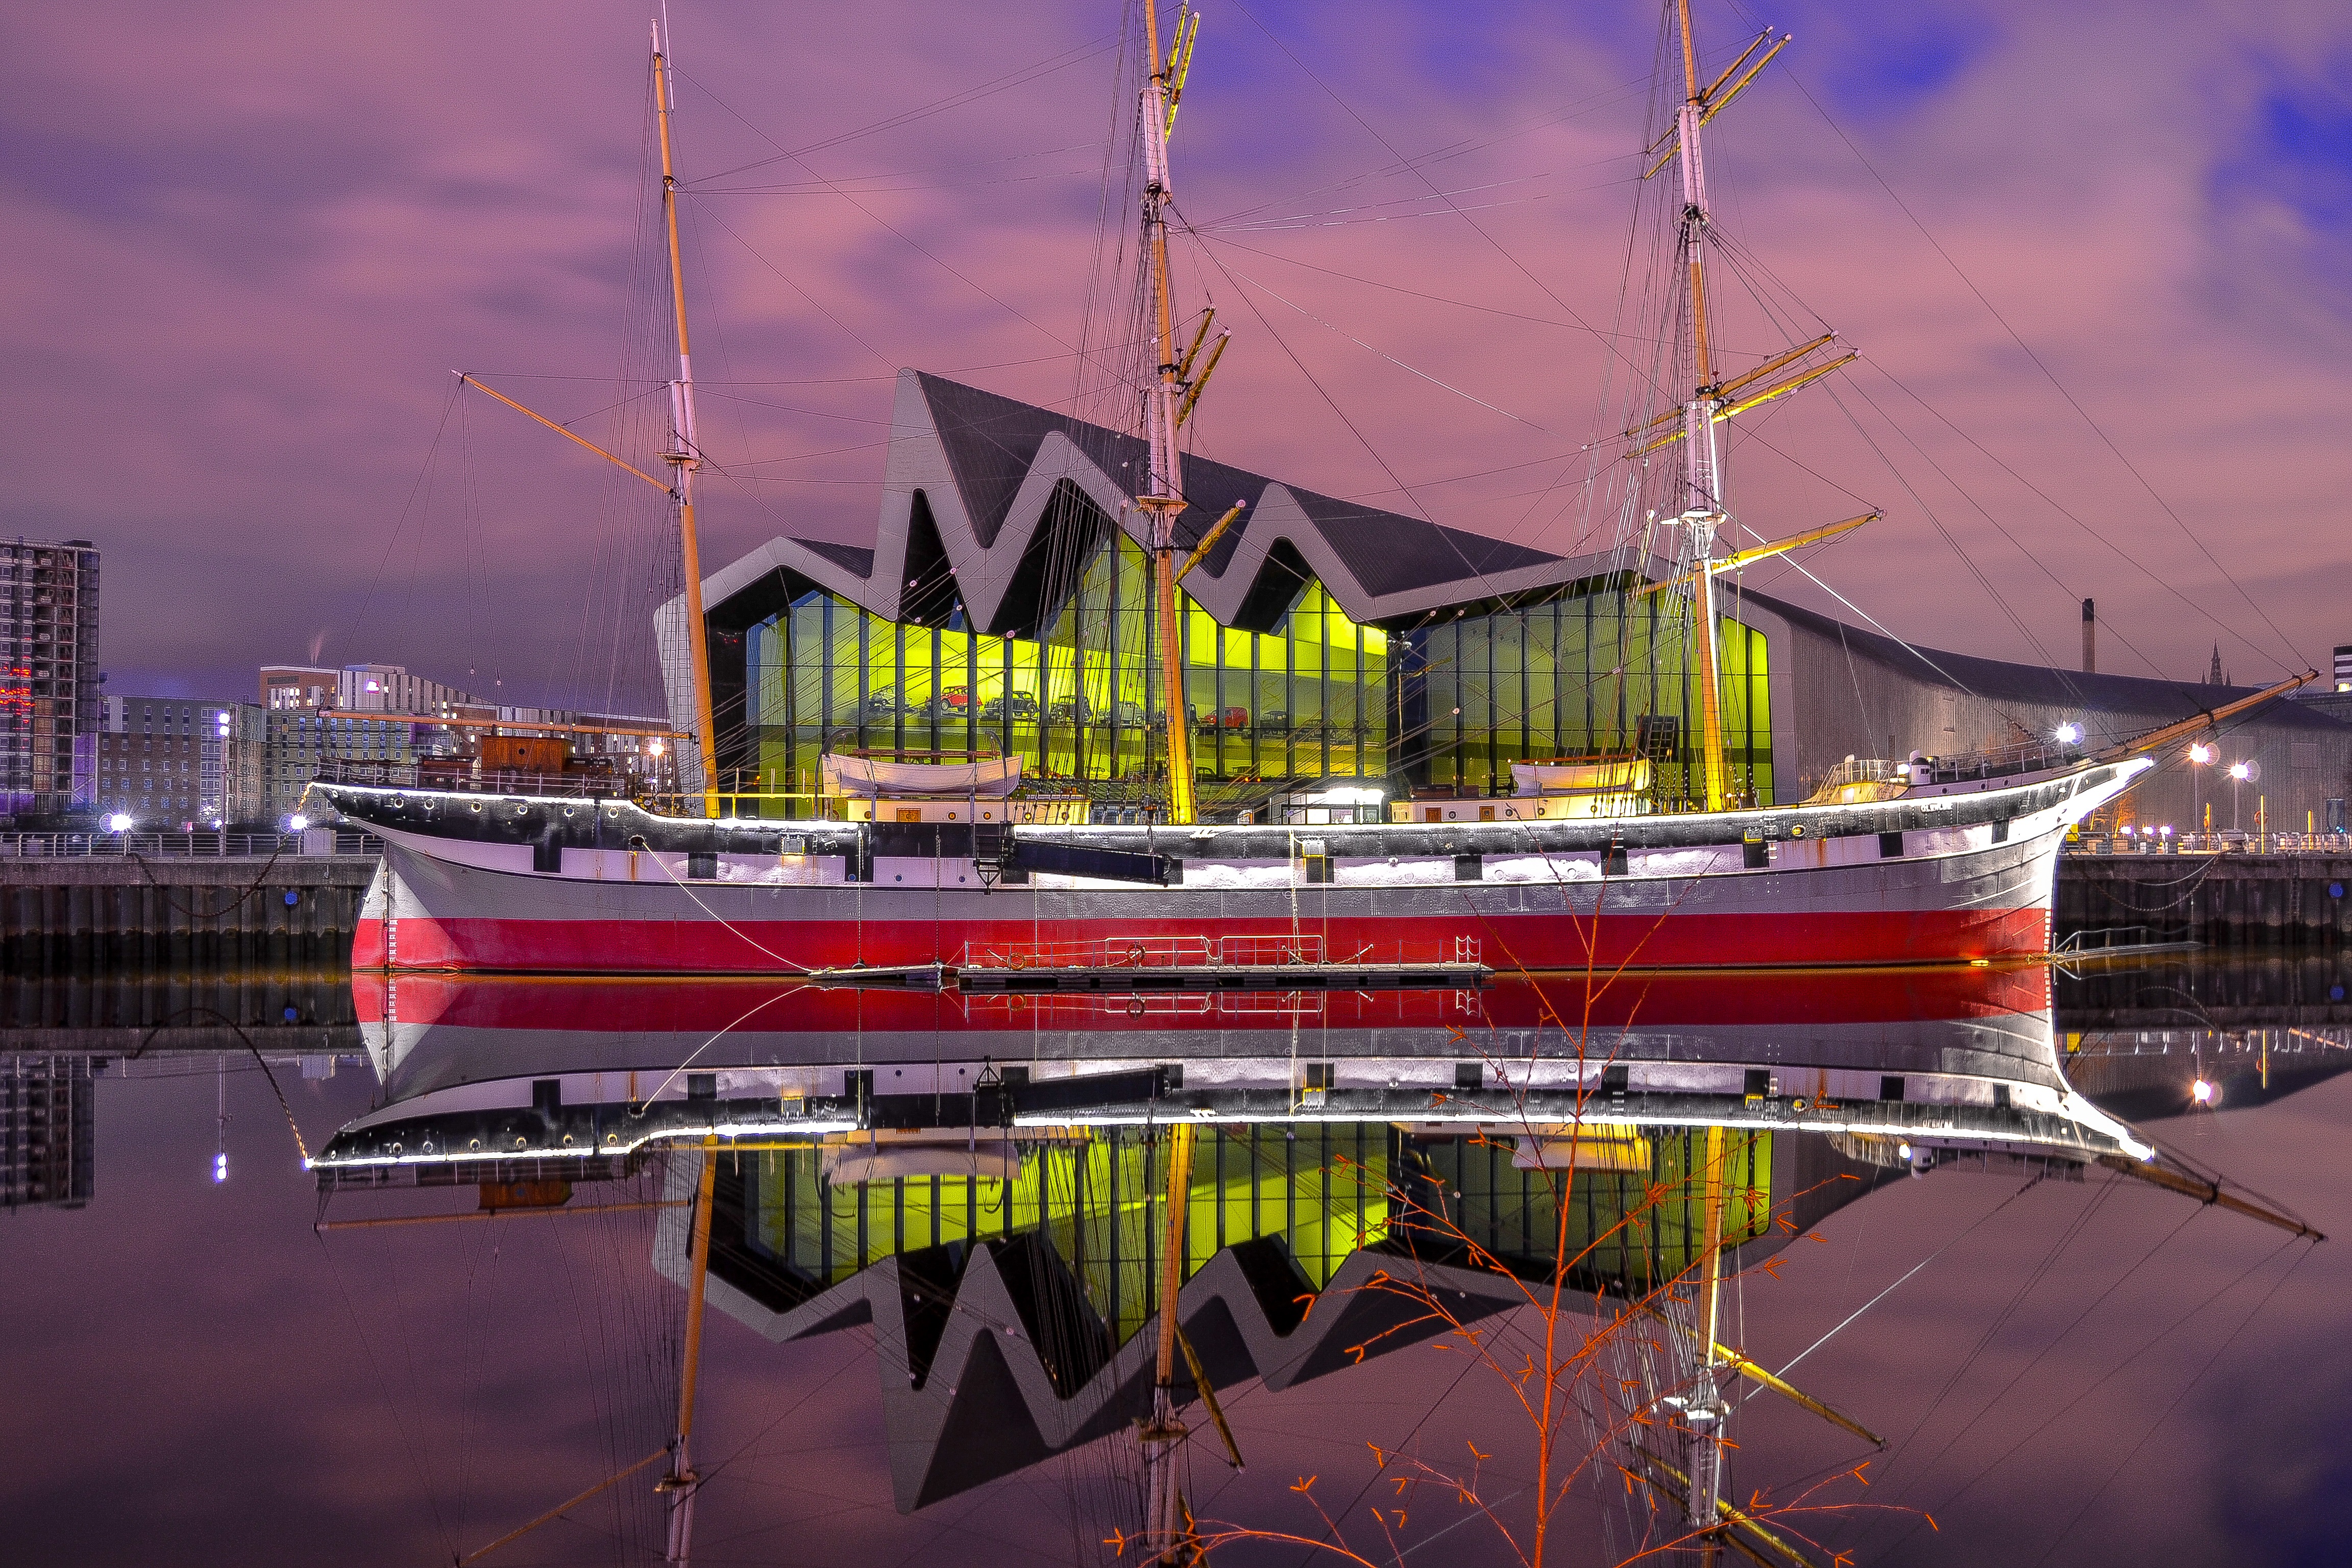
<point>987,1184</point>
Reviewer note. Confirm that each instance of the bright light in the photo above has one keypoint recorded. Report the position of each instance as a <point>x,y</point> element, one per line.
<point>2129,830</point>
<point>2069,734</point>
<point>2166,831</point>
<point>297,823</point>
<point>119,822</point>
<point>2201,1093</point>
<point>2239,770</point>
<point>655,748</point>
<point>220,1167</point>
<point>1903,1151</point>
<point>2200,753</point>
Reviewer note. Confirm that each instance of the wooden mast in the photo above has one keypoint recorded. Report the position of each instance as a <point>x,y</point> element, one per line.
<point>683,1481</point>
<point>1164,496</point>
<point>684,456</point>
<point>1702,474</point>
<point>1163,1522</point>
<point>1706,1410</point>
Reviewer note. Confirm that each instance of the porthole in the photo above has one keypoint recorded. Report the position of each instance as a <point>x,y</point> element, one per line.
<point>567,1139</point>
<point>477,805</point>
<point>473,1143</point>
<point>522,1143</point>
<point>395,1148</point>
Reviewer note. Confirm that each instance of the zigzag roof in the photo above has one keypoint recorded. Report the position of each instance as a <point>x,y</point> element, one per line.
<point>970,485</point>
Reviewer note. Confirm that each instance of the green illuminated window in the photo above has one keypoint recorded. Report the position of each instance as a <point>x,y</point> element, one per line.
<point>1308,700</point>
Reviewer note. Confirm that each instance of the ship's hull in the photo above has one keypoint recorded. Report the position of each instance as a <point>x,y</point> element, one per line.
<point>1953,880</point>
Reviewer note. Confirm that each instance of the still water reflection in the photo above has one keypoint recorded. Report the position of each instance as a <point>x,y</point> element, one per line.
<point>306,1266</point>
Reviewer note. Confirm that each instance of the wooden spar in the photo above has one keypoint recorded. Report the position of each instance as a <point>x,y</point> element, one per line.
<point>1732,563</point>
<point>1724,410</point>
<point>1756,1374</point>
<point>1209,540</point>
<point>560,1510</point>
<point>1725,1512</point>
<point>2171,732</point>
<point>1164,1505</point>
<point>682,1482</point>
<point>1163,493</point>
<point>1209,1398</point>
<point>2205,1191</point>
<point>1200,383</point>
<point>1746,378</point>
<point>685,456</point>
<point>466,380</point>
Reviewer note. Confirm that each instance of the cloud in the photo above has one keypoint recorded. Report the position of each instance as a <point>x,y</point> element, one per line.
<point>252,240</point>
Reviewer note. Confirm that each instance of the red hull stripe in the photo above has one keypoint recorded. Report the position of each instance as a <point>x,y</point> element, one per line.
<point>1506,943</point>
<point>1697,999</point>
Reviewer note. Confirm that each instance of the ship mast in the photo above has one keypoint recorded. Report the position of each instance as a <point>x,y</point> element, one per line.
<point>683,456</point>
<point>1702,468</point>
<point>1163,495</point>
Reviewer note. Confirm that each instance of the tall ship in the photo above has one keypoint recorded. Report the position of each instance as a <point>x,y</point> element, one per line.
<point>955,867</point>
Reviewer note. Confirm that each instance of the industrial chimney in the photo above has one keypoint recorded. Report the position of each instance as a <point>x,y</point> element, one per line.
<point>2090,640</point>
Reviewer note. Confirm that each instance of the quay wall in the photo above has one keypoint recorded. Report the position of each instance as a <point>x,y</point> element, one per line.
<point>79,914</point>
<point>2226,900</point>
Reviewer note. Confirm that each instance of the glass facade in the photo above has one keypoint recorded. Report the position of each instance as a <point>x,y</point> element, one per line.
<point>1587,674</point>
<point>1324,1191</point>
<point>1308,699</point>
<point>1446,703</point>
<point>1100,1205</point>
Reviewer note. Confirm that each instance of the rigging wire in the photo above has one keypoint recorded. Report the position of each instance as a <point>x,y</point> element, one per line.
<point>2040,364</point>
<point>1017,77</point>
<point>878,218</point>
<point>2095,1385</point>
<point>2154,1427</point>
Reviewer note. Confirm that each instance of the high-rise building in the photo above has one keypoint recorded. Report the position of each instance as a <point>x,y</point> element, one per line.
<point>2344,666</point>
<point>48,676</point>
<point>49,1122</point>
<point>171,764</point>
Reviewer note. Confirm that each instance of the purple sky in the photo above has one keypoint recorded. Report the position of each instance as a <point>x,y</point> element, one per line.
<point>249,242</point>
<point>195,1378</point>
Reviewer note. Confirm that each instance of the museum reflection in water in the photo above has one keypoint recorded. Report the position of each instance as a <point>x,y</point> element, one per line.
<point>985,1180</point>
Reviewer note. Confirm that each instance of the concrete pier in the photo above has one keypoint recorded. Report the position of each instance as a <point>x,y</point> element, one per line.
<point>79,914</point>
<point>2225,900</point>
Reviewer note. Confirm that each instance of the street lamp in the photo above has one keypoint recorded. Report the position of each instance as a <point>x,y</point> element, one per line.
<point>2069,734</point>
<point>120,822</point>
<point>2200,755</point>
<point>2238,775</point>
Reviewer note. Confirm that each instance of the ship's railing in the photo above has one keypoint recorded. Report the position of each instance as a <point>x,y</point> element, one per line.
<point>1279,949</point>
<point>463,774</point>
<point>184,845</point>
<point>1855,771</point>
<point>2025,756</point>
